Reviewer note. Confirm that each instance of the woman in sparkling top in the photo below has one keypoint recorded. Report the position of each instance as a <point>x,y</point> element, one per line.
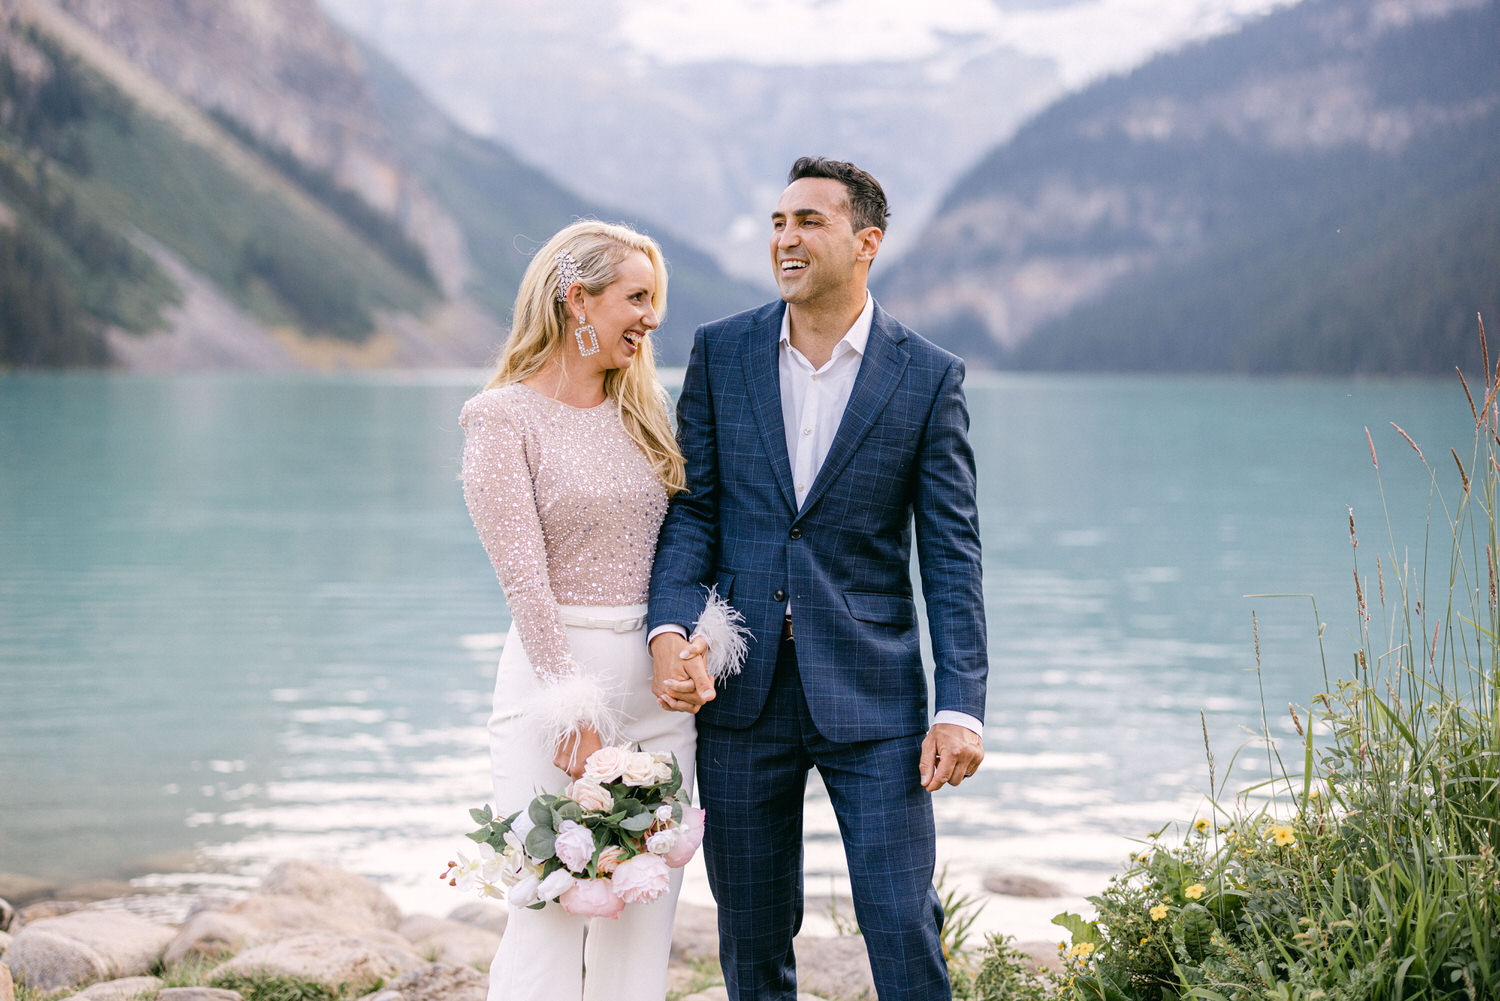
<point>569,458</point>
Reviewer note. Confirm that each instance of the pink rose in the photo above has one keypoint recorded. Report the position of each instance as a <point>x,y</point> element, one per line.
<point>641,879</point>
<point>592,898</point>
<point>590,795</point>
<point>574,845</point>
<point>689,837</point>
<point>639,770</point>
<point>610,859</point>
<point>605,764</point>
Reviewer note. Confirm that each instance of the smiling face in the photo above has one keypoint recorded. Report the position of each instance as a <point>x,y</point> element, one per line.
<point>816,253</point>
<point>622,314</point>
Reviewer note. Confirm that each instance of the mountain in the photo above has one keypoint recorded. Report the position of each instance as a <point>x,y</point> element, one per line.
<point>1318,192</point>
<point>188,184</point>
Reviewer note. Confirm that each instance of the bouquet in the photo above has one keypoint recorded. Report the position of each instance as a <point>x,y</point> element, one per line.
<point>609,839</point>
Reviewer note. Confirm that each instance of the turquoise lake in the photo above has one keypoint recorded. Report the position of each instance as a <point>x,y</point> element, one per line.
<point>245,618</point>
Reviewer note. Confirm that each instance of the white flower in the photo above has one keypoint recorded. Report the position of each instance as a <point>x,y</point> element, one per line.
<point>661,771</point>
<point>574,845</point>
<point>664,813</point>
<point>473,873</point>
<point>662,842</point>
<point>522,826</point>
<point>551,887</point>
<point>523,894</point>
<point>639,770</point>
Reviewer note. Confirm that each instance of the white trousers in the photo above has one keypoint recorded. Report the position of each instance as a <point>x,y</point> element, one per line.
<point>544,953</point>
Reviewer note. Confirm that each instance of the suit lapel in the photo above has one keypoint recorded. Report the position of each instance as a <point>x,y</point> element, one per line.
<point>879,373</point>
<point>763,381</point>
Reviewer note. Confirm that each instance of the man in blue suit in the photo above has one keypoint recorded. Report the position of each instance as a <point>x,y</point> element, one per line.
<point>818,431</point>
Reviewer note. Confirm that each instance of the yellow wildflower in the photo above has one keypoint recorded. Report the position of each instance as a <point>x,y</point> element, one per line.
<point>1195,891</point>
<point>1144,940</point>
<point>1083,950</point>
<point>1159,912</point>
<point>1282,834</point>
<point>1201,825</point>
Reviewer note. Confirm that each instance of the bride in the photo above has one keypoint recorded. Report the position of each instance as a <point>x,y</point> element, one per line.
<point>569,459</point>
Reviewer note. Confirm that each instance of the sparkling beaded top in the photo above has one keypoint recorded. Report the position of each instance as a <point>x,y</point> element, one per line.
<point>567,507</point>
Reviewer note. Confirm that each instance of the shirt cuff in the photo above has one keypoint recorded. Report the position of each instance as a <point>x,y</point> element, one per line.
<point>956,718</point>
<point>670,627</point>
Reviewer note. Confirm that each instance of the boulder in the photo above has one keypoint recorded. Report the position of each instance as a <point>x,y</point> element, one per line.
<point>1012,884</point>
<point>435,982</point>
<point>331,960</point>
<point>123,989</point>
<point>695,933</point>
<point>198,994</point>
<point>4,943</point>
<point>833,967</point>
<point>260,920</point>
<point>84,946</point>
<point>7,915</point>
<point>351,896</point>
<point>450,942</point>
<point>7,986</point>
<point>43,909</point>
<point>22,890</point>
<point>479,913</point>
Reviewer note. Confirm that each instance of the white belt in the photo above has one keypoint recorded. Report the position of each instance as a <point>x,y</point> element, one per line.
<point>629,625</point>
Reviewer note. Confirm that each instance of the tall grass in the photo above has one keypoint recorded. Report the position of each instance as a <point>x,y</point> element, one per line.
<point>1366,866</point>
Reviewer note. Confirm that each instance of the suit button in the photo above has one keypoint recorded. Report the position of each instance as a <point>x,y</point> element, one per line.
<point>779,594</point>
<point>795,533</point>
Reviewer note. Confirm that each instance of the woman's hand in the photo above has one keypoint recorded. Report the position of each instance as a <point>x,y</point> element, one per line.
<point>575,750</point>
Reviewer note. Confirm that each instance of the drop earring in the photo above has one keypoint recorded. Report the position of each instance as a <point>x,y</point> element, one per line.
<point>592,348</point>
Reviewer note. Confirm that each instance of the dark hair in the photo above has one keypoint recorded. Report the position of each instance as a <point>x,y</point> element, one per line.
<point>866,198</point>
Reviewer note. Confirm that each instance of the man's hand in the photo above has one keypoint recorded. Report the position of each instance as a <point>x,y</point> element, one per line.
<point>950,754</point>
<point>680,678</point>
<point>575,750</point>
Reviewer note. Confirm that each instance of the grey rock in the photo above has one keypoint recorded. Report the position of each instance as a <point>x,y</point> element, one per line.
<point>258,920</point>
<point>22,890</point>
<point>490,917</point>
<point>354,897</point>
<point>7,985</point>
<point>4,943</point>
<point>721,993</point>
<point>198,994</point>
<point>331,960</point>
<point>1012,884</point>
<point>123,989</point>
<point>450,942</point>
<point>695,933</point>
<point>834,967</point>
<point>7,914</point>
<point>435,982</point>
<point>49,962</point>
<point>84,946</point>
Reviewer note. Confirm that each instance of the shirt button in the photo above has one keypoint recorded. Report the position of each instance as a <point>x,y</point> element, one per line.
<point>807,431</point>
<point>815,377</point>
<point>795,533</point>
<point>778,595</point>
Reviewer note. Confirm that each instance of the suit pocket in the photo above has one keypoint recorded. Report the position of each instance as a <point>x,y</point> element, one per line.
<point>724,585</point>
<point>886,609</point>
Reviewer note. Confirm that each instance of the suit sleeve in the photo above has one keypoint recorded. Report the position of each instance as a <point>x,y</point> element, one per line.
<point>948,554</point>
<point>687,549</point>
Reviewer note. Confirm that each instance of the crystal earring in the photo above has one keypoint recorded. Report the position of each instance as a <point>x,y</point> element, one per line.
<point>592,348</point>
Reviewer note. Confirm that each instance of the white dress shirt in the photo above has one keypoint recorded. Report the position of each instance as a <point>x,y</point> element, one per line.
<point>813,401</point>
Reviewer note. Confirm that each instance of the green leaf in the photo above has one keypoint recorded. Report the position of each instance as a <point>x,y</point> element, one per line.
<point>540,812</point>
<point>568,810</point>
<point>483,837</point>
<point>1194,929</point>
<point>638,823</point>
<point>1081,930</point>
<point>482,816</point>
<point>540,843</point>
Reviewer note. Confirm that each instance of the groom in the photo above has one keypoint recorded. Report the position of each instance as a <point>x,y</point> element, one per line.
<point>817,431</point>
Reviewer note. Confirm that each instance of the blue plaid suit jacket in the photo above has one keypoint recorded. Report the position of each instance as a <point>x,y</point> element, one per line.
<point>901,458</point>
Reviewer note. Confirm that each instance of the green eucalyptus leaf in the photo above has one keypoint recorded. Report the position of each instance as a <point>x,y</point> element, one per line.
<point>540,812</point>
<point>540,843</point>
<point>482,816</point>
<point>637,823</point>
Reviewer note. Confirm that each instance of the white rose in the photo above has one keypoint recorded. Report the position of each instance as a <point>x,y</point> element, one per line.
<point>551,887</point>
<point>605,764</point>
<point>662,842</point>
<point>664,813</point>
<point>660,772</point>
<point>523,893</point>
<point>639,769</point>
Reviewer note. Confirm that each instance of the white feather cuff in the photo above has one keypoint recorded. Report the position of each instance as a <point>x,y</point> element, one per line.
<point>728,640</point>
<point>571,704</point>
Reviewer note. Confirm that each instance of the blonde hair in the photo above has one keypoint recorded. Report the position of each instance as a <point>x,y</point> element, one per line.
<point>541,322</point>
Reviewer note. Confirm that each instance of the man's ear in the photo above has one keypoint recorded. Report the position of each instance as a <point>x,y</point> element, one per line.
<point>869,243</point>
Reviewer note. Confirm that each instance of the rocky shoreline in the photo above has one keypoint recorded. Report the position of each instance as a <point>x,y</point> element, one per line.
<point>317,925</point>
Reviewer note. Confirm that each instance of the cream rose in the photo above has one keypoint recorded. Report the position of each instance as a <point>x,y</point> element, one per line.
<point>662,841</point>
<point>590,795</point>
<point>641,879</point>
<point>639,769</point>
<point>661,771</point>
<point>605,764</point>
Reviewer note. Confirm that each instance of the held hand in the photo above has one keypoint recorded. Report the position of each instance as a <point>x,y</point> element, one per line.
<point>950,754</point>
<point>680,678</point>
<point>575,750</point>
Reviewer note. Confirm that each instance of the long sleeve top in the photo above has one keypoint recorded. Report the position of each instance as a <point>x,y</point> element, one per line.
<point>567,507</point>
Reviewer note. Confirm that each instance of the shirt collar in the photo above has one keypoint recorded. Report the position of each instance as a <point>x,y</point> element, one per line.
<point>856,337</point>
